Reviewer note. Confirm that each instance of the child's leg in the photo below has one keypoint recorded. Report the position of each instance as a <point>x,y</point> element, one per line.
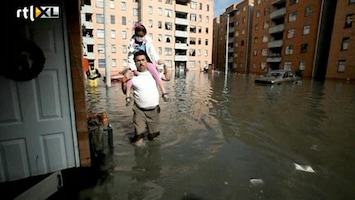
<point>153,70</point>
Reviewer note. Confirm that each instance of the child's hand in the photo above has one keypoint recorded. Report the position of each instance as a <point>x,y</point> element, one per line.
<point>128,101</point>
<point>165,97</point>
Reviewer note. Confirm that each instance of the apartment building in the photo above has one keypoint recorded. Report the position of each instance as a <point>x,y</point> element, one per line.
<point>341,63</point>
<point>181,31</point>
<point>312,37</point>
<point>237,16</point>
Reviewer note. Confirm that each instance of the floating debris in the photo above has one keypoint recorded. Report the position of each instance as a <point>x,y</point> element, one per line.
<point>305,168</point>
<point>256,181</point>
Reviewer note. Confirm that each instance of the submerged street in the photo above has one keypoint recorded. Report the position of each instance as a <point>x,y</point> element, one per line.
<point>227,138</point>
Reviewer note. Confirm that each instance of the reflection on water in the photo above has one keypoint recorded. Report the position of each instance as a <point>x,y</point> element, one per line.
<point>217,134</point>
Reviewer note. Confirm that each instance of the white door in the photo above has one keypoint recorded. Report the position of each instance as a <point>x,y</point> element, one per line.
<point>36,125</point>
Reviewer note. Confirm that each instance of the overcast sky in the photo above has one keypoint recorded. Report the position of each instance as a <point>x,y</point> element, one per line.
<point>221,5</point>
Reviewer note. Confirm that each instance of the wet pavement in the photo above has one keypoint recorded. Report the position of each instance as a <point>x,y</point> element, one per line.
<point>227,138</point>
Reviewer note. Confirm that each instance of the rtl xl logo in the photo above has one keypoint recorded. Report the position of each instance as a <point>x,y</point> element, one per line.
<point>35,12</point>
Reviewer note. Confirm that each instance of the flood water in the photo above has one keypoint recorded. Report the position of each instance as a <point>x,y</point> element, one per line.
<point>225,138</point>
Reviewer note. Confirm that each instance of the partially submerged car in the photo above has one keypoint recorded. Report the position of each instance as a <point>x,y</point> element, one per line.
<point>278,76</point>
<point>115,77</point>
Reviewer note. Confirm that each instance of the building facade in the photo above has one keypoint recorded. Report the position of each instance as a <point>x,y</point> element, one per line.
<point>311,37</point>
<point>181,31</point>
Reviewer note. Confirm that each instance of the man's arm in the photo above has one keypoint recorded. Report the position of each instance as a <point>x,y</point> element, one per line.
<point>128,74</point>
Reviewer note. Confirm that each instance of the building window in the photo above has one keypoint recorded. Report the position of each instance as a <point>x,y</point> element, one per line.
<point>254,65</point>
<point>256,27</point>
<point>160,51</point>
<point>99,18</point>
<point>114,63</point>
<point>193,5</point>
<point>266,24</point>
<point>341,66</point>
<point>168,26</point>
<point>349,20</point>
<point>199,29</point>
<point>168,63</point>
<point>112,4</point>
<point>306,29</point>
<point>102,63</point>
<point>293,2</point>
<point>113,48</point>
<point>206,53</point>
<point>206,42</point>
<point>263,65</point>
<point>291,33</point>
<point>192,63</point>
<point>244,8</point>
<point>255,40</point>
<point>199,41</point>
<point>345,44</point>
<point>265,38</point>
<point>150,23</point>
<point>207,19</point>
<point>100,33</point>
<point>200,18</point>
<point>288,66</point>
<point>267,11</point>
<point>208,7</point>
<point>168,13</point>
<point>258,2</point>
<point>206,30</point>
<point>308,11</point>
<point>160,11</point>
<point>351,1</point>
<point>192,52</point>
<point>302,65</point>
<point>168,51</point>
<point>124,49</point>
<point>112,19</point>
<point>192,29</point>
<point>159,24</point>
<point>160,37</point>
<point>99,3</point>
<point>192,17</point>
<point>113,34</point>
<point>150,10</point>
<point>255,52</point>
<point>292,16</point>
<point>124,62</point>
<point>123,5</point>
<point>168,38</point>
<point>200,6</point>
<point>100,48</point>
<point>257,14</point>
<point>289,50</point>
<point>124,35</point>
<point>135,11</point>
<point>304,47</point>
<point>264,52</point>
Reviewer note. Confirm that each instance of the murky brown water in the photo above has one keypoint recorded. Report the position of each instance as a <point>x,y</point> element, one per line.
<point>230,139</point>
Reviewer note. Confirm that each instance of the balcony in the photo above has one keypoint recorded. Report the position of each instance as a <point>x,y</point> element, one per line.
<point>181,58</point>
<point>88,25</point>
<point>277,29</point>
<point>276,2</point>
<point>88,40</point>
<point>278,13</point>
<point>87,9</point>
<point>181,8</point>
<point>181,21</point>
<point>90,56</point>
<point>181,46</point>
<point>183,34</point>
<point>275,44</point>
<point>274,58</point>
